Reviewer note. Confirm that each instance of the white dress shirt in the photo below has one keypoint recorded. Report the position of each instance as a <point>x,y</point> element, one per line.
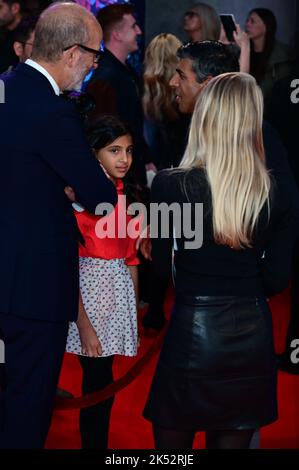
<point>42,70</point>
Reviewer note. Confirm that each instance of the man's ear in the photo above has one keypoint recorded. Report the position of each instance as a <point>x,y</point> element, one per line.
<point>15,8</point>
<point>18,48</point>
<point>70,56</point>
<point>117,34</point>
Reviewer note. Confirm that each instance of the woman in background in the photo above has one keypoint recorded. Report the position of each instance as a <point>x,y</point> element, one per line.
<point>202,23</point>
<point>270,60</point>
<point>165,129</point>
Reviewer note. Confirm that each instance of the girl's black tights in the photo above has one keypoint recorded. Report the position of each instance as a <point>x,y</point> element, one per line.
<point>224,439</point>
<point>94,421</point>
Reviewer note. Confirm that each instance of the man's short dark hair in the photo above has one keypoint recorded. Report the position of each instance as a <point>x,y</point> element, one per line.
<point>210,58</point>
<point>109,16</point>
<point>25,28</point>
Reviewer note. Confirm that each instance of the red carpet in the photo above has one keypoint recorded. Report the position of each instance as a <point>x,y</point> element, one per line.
<point>129,430</point>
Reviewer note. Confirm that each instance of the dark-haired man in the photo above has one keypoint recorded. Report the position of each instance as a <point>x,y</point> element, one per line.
<point>24,37</point>
<point>198,63</point>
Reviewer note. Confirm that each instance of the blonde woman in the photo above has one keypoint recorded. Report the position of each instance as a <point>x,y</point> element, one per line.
<point>164,129</point>
<point>217,372</point>
<point>202,23</point>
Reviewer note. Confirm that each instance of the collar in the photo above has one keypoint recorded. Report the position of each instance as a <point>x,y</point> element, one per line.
<point>44,72</point>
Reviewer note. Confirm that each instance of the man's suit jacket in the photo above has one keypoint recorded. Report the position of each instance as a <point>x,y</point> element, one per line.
<point>42,149</point>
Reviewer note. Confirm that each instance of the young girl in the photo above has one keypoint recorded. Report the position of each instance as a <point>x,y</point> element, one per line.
<point>107,320</point>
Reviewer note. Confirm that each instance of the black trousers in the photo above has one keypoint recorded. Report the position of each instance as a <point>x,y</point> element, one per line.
<point>33,356</point>
<point>94,421</point>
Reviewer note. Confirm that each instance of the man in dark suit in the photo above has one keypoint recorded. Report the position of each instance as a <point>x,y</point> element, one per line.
<point>43,150</point>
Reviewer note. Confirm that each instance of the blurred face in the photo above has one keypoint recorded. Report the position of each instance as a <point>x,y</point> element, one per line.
<point>116,158</point>
<point>186,86</point>
<point>129,32</point>
<point>191,22</point>
<point>6,14</point>
<point>255,27</point>
<point>24,50</point>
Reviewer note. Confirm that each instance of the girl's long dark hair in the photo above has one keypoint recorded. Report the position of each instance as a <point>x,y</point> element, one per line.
<point>102,132</point>
<point>268,18</point>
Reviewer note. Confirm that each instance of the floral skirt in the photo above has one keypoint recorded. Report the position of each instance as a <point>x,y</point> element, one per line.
<point>109,299</point>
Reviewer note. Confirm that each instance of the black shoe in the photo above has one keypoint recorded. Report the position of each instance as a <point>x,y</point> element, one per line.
<point>61,393</point>
<point>153,320</point>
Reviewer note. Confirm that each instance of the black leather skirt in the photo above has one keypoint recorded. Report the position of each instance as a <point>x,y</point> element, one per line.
<point>217,366</point>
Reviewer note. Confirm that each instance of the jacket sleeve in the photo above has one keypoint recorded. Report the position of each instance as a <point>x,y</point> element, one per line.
<point>276,262</point>
<point>161,247</point>
<point>277,163</point>
<point>68,154</point>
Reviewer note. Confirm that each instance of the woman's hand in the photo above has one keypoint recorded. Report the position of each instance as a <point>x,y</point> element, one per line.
<point>243,41</point>
<point>144,243</point>
<point>241,38</point>
<point>90,343</point>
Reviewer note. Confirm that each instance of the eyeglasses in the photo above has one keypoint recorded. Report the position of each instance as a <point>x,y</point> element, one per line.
<point>96,53</point>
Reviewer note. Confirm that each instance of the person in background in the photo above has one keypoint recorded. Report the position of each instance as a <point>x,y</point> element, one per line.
<point>270,60</point>
<point>217,368</point>
<point>107,321</point>
<point>11,13</point>
<point>24,38</point>
<point>240,46</point>
<point>202,22</point>
<point>114,86</point>
<point>165,131</point>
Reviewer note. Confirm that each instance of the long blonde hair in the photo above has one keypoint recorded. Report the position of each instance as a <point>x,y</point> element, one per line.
<point>226,140</point>
<point>159,66</point>
<point>210,21</point>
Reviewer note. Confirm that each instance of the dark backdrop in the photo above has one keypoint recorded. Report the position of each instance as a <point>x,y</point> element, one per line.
<point>166,15</point>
